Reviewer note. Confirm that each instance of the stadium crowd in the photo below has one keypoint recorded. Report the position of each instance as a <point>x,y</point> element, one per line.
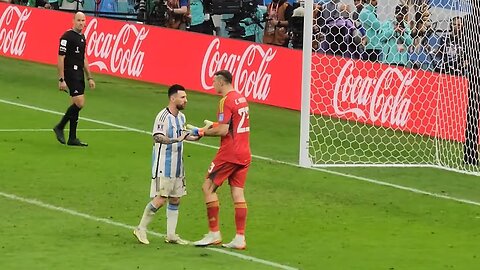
<point>351,28</point>
<point>418,43</point>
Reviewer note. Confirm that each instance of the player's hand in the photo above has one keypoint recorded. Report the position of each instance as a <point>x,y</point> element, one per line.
<point>183,136</point>
<point>62,86</point>
<point>193,138</point>
<point>91,83</point>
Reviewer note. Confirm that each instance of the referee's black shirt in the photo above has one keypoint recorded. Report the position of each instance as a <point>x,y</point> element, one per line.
<point>72,45</point>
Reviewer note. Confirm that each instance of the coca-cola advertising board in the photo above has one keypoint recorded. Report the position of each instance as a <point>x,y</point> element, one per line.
<point>155,54</point>
<point>370,93</point>
<point>410,100</point>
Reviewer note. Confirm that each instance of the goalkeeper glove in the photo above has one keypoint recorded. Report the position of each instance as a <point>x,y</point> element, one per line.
<point>198,132</point>
<point>209,124</point>
<point>195,131</point>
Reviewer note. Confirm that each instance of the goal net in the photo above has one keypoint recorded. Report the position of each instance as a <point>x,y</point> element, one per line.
<point>390,83</point>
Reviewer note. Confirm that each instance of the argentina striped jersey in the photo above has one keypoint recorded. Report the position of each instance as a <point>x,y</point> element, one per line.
<point>167,159</point>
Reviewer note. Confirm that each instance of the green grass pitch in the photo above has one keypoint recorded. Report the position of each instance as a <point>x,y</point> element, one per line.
<point>73,206</point>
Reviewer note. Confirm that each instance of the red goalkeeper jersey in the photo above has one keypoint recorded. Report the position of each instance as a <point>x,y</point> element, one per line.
<point>235,146</point>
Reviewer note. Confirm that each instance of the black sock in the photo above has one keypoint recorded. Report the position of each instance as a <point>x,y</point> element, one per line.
<point>73,123</point>
<point>66,117</point>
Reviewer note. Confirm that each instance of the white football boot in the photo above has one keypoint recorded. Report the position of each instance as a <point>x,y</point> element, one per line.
<point>211,238</point>
<point>141,236</point>
<point>175,239</point>
<point>238,242</point>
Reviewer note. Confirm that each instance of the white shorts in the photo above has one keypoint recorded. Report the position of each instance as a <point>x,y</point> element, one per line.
<point>168,187</point>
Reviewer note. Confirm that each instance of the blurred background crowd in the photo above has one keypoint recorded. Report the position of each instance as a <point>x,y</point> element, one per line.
<point>422,34</point>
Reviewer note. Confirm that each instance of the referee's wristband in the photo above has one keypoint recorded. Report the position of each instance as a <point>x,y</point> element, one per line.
<point>89,78</point>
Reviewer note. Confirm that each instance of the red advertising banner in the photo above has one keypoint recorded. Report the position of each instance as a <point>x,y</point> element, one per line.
<point>263,74</point>
<point>415,101</point>
<point>372,93</point>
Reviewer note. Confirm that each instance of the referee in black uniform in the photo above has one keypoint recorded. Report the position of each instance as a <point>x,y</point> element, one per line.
<point>72,64</point>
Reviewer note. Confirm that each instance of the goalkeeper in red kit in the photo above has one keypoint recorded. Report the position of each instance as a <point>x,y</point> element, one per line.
<point>231,162</point>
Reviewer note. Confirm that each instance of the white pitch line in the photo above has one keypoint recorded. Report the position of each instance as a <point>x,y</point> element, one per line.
<point>50,130</point>
<point>346,175</point>
<point>118,224</point>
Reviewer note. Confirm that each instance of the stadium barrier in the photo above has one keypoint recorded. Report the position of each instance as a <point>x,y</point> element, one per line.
<point>371,93</point>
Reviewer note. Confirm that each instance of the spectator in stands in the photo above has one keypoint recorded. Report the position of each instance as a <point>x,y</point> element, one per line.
<point>108,6</point>
<point>356,19</point>
<point>278,14</point>
<point>341,36</point>
<point>371,24</point>
<point>295,28</point>
<point>318,36</point>
<point>424,40</point>
<point>197,15</point>
<point>251,25</point>
<point>38,3</point>
<point>329,12</point>
<point>358,8</point>
<point>421,25</point>
<point>178,16</point>
<point>71,4</point>
<point>451,49</point>
<point>54,4</point>
<point>396,38</point>
<point>356,46</point>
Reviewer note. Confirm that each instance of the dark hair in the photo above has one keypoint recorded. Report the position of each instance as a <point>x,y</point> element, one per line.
<point>226,75</point>
<point>174,89</point>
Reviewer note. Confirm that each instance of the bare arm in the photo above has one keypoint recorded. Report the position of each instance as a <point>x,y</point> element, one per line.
<point>86,68</point>
<point>192,138</point>
<point>160,138</point>
<point>62,85</point>
<point>218,131</point>
<point>182,10</point>
<point>61,66</point>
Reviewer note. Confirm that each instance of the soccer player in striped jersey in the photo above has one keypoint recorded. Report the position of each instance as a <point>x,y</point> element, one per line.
<point>168,174</point>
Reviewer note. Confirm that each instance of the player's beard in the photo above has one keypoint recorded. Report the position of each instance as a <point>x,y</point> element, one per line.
<point>181,106</point>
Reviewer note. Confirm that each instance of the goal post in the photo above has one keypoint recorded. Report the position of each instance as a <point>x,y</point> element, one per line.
<point>391,92</point>
<point>304,157</point>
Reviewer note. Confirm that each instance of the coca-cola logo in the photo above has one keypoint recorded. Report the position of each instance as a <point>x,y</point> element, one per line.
<point>116,53</point>
<point>249,69</point>
<point>12,36</point>
<point>377,99</point>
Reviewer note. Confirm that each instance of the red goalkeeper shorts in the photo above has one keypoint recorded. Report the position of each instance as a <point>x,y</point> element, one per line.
<point>220,171</point>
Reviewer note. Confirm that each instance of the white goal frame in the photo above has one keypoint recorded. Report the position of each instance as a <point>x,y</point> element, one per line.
<point>305,159</point>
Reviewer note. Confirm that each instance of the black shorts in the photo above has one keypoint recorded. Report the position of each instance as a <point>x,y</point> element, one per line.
<point>75,82</point>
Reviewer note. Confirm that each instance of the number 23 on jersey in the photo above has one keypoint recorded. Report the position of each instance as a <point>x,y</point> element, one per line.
<point>243,125</point>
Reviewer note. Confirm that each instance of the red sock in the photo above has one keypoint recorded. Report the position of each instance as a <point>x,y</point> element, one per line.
<point>240,216</point>
<point>212,213</point>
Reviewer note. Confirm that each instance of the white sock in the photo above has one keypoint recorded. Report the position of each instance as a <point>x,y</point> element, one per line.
<point>147,216</point>
<point>172,219</point>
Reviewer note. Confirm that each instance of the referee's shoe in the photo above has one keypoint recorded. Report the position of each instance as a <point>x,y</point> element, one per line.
<point>59,134</point>
<point>76,142</point>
